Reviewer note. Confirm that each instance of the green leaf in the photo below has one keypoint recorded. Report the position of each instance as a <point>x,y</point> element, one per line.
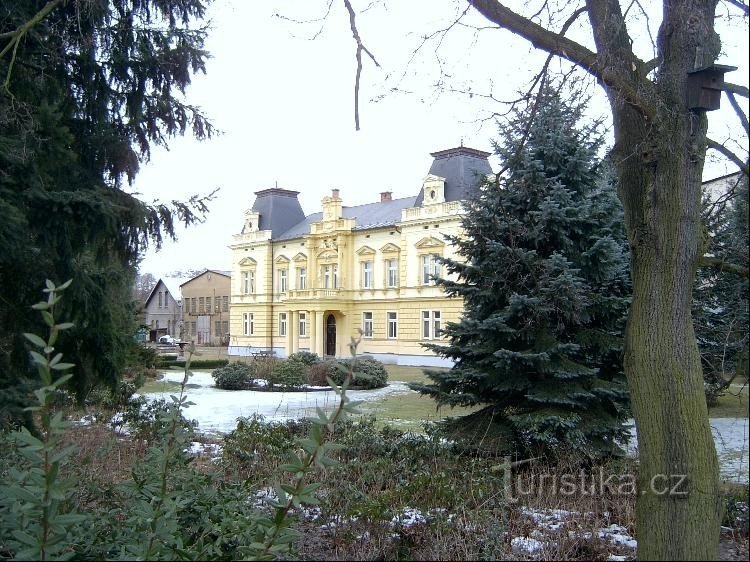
<point>38,358</point>
<point>48,318</point>
<point>25,538</point>
<point>36,340</point>
<point>63,366</point>
<point>65,285</point>
<point>40,306</point>
<point>65,326</point>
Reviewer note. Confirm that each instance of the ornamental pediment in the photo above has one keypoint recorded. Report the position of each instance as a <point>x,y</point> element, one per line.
<point>282,259</point>
<point>390,248</point>
<point>365,251</point>
<point>300,257</point>
<point>429,242</point>
<point>328,255</point>
<point>248,262</point>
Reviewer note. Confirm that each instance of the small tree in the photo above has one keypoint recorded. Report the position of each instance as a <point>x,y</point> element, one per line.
<point>720,299</point>
<point>545,284</point>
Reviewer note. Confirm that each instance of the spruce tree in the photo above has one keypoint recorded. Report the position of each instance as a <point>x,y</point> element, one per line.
<point>543,272</point>
<point>86,89</point>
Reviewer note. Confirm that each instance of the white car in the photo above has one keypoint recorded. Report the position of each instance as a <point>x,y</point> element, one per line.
<point>168,339</point>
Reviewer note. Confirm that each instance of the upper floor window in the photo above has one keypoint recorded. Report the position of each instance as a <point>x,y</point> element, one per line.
<point>282,280</point>
<point>248,282</point>
<point>302,278</point>
<point>391,267</point>
<point>201,305</point>
<point>330,276</point>
<point>208,305</point>
<point>367,275</point>
<point>160,306</point>
<point>225,304</point>
<point>430,268</point>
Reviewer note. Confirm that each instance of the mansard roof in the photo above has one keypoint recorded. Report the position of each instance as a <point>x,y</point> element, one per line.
<point>463,169</point>
<point>370,215</point>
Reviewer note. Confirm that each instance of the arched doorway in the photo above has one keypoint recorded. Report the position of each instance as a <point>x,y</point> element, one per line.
<point>331,335</point>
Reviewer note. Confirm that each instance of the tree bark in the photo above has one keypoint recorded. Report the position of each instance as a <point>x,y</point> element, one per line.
<point>660,147</point>
<point>660,165</point>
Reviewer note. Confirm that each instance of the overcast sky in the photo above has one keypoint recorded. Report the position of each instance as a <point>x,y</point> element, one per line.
<point>284,104</point>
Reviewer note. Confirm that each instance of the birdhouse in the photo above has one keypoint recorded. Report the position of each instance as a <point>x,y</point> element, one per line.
<point>705,85</point>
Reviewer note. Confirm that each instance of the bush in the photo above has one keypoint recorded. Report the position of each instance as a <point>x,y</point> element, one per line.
<point>263,367</point>
<point>288,374</point>
<point>307,358</point>
<point>318,373</point>
<point>235,376</point>
<point>194,364</point>
<point>146,420</point>
<point>368,372</point>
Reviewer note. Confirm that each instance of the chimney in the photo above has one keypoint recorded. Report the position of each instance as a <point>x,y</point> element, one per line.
<point>335,193</point>
<point>385,196</point>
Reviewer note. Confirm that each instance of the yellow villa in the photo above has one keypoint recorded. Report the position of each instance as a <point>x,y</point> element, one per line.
<point>310,282</point>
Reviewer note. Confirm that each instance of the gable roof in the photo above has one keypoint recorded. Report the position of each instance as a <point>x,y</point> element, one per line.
<point>170,284</point>
<point>221,272</point>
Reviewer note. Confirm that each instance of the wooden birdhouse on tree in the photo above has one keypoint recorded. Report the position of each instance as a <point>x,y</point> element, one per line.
<point>705,85</point>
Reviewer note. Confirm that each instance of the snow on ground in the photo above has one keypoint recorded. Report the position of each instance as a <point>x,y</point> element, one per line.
<point>217,410</point>
<point>732,436</point>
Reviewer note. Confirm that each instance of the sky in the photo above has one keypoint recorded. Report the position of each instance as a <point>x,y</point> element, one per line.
<point>280,87</point>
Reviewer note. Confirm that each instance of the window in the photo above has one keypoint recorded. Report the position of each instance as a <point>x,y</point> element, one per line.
<point>248,282</point>
<point>430,324</point>
<point>430,268</point>
<point>282,280</point>
<point>208,305</point>
<point>192,328</point>
<point>248,323</point>
<point>217,329</point>
<point>392,325</point>
<point>302,324</point>
<point>192,306</point>
<point>367,275</point>
<point>367,324</point>
<point>330,276</point>
<point>391,273</point>
<point>302,278</point>
<point>225,327</point>
<point>282,324</point>
<point>160,299</point>
<point>225,304</point>
<point>201,305</point>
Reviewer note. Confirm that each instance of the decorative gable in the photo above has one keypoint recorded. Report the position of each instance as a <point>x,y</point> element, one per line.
<point>365,251</point>
<point>429,243</point>
<point>282,260</point>
<point>248,262</point>
<point>328,255</point>
<point>300,257</point>
<point>390,248</point>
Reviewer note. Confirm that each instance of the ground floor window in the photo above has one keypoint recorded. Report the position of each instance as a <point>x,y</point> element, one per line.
<point>430,324</point>
<point>282,324</point>
<point>392,325</point>
<point>302,324</point>
<point>248,323</point>
<point>367,324</point>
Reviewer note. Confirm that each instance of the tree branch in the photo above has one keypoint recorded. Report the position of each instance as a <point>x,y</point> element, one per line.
<point>561,46</point>
<point>741,5</point>
<point>721,265</point>
<point>360,48</point>
<point>738,110</point>
<point>743,166</point>
<point>736,89</point>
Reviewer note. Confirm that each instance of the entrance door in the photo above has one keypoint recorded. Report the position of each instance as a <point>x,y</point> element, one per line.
<point>331,335</point>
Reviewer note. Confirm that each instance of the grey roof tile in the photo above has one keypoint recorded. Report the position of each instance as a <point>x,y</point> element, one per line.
<point>463,168</point>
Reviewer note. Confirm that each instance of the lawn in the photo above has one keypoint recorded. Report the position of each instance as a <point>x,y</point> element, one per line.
<point>734,404</point>
<point>410,410</point>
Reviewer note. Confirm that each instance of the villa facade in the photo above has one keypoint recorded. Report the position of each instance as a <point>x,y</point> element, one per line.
<point>311,282</point>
